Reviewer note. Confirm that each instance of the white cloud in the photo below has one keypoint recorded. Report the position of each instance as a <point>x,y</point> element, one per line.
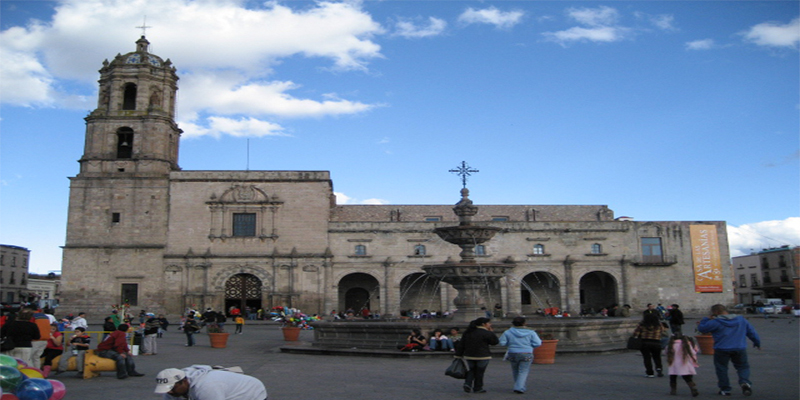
<point>760,235</point>
<point>600,25</point>
<point>224,53</point>
<point>601,16</point>
<point>492,16</point>
<point>663,21</point>
<point>342,199</point>
<point>597,34</point>
<point>774,34</point>
<point>375,201</point>
<point>703,44</point>
<point>408,29</point>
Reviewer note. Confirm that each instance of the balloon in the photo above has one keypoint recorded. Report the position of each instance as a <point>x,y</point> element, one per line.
<point>59,390</point>
<point>8,361</point>
<point>9,396</point>
<point>31,372</point>
<point>9,378</point>
<point>20,363</point>
<point>34,389</point>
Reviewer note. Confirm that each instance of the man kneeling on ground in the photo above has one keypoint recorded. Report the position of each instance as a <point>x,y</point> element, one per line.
<point>201,382</point>
<point>115,347</point>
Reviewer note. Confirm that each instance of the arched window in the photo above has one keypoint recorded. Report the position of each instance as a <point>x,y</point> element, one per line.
<point>124,143</point>
<point>538,249</point>
<point>480,250</point>
<point>419,250</point>
<point>361,250</point>
<point>129,98</point>
<point>597,248</point>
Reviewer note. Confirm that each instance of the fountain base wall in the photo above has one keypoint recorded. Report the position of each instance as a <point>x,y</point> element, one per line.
<point>575,335</point>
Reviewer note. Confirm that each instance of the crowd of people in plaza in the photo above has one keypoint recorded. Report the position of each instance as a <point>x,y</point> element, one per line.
<point>39,340</point>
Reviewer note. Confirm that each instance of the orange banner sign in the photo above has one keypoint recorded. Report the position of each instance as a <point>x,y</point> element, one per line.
<point>705,257</point>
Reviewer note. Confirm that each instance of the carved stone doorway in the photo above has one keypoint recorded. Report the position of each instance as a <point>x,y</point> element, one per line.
<point>243,290</point>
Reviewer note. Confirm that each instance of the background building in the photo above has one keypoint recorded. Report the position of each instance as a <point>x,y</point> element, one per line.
<point>769,274</point>
<point>142,231</point>
<point>45,289</point>
<point>13,273</point>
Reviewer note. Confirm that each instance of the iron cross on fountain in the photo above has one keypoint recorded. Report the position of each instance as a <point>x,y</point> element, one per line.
<point>464,170</point>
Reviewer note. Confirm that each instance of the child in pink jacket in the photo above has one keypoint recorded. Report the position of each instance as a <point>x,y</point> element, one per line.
<point>682,359</point>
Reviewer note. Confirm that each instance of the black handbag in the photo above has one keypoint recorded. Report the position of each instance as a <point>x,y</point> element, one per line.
<point>7,344</point>
<point>634,343</point>
<point>457,369</point>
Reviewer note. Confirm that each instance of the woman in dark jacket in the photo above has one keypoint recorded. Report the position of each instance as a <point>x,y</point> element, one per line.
<point>650,330</point>
<point>21,331</point>
<point>474,348</point>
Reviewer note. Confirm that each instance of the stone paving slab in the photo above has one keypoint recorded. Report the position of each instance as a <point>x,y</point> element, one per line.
<point>775,371</point>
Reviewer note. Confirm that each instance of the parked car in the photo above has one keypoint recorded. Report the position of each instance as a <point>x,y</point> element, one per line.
<point>744,308</point>
<point>770,309</point>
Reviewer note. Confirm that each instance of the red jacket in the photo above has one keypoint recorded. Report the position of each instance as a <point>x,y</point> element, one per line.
<point>115,341</point>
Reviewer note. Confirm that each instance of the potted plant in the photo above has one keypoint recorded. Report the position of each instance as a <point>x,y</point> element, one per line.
<point>706,343</point>
<point>292,322</point>
<point>217,336</point>
<point>546,353</point>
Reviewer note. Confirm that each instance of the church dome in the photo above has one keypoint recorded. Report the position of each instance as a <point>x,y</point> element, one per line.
<point>141,56</point>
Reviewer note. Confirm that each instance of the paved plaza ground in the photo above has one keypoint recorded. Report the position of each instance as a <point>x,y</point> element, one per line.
<point>775,371</point>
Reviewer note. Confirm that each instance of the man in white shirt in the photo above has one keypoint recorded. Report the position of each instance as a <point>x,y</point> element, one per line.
<point>80,322</point>
<point>201,382</point>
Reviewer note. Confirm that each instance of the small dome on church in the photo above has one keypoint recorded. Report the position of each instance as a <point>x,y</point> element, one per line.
<point>141,55</point>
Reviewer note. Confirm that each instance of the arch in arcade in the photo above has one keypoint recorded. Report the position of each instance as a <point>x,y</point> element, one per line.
<point>540,290</point>
<point>420,291</point>
<point>598,289</point>
<point>358,290</point>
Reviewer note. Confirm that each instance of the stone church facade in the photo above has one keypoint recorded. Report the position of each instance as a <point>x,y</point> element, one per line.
<point>143,231</point>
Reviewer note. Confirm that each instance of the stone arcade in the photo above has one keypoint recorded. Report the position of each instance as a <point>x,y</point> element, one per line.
<point>142,230</point>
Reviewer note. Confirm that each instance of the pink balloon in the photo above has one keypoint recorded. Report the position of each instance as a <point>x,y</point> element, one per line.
<point>59,390</point>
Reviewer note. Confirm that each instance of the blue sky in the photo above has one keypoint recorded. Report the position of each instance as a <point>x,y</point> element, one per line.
<point>673,110</point>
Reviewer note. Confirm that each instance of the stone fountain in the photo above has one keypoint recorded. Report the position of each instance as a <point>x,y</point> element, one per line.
<point>469,278</point>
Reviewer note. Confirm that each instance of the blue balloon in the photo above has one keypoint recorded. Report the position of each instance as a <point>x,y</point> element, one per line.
<point>34,389</point>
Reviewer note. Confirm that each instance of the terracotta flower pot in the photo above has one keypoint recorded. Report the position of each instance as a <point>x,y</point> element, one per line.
<point>218,340</point>
<point>291,333</point>
<point>546,353</point>
<point>706,343</point>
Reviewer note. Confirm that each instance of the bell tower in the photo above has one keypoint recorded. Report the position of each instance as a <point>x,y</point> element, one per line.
<point>119,202</point>
<point>133,130</point>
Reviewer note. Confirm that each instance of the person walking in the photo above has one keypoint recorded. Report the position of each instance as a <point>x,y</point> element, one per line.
<point>730,334</point>
<point>474,348</point>
<point>650,330</point>
<point>239,324</point>
<point>682,360</point>
<point>150,341</point>
<point>190,326</point>
<point>676,319</point>
<point>201,382</point>
<point>520,342</point>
